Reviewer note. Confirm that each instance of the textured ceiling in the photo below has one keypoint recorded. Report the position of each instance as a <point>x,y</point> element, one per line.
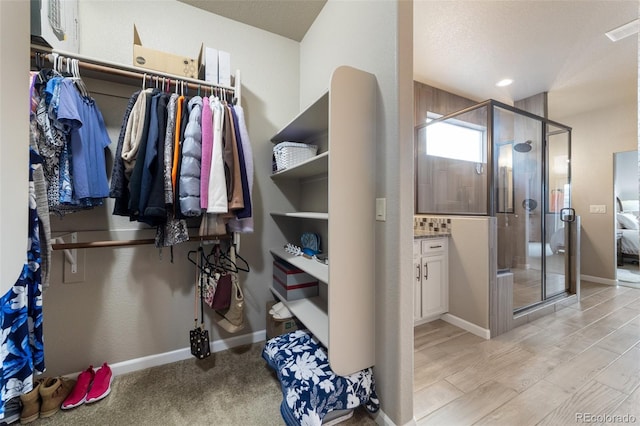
<point>544,46</point>
<point>466,46</point>
<point>288,18</point>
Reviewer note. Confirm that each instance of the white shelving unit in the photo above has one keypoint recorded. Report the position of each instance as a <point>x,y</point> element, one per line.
<point>334,194</point>
<point>304,215</point>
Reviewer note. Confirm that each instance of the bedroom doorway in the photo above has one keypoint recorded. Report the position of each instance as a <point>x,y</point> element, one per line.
<point>625,166</point>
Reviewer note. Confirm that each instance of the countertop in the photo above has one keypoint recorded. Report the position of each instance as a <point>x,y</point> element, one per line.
<point>430,234</point>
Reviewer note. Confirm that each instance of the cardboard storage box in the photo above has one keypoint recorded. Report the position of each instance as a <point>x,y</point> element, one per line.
<point>277,327</point>
<point>182,66</point>
<point>54,23</point>
<point>293,283</point>
<point>211,65</point>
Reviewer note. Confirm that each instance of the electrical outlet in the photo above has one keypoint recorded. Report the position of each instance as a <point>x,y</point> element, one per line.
<point>597,208</point>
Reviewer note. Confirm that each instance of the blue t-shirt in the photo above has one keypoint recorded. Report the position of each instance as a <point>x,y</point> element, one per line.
<point>88,142</point>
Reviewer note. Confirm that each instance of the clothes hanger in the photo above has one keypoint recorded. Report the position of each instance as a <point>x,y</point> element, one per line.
<point>220,260</point>
<point>199,264</point>
<point>75,71</point>
<point>246,267</point>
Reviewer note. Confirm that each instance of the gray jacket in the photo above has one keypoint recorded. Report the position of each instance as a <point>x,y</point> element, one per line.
<point>190,166</point>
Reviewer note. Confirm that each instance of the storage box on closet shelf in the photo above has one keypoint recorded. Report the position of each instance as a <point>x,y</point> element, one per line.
<point>288,154</point>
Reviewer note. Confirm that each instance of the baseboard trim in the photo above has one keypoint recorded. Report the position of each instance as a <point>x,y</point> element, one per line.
<point>155,360</point>
<point>383,420</point>
<point>466,325</point>
<point>598,280</point>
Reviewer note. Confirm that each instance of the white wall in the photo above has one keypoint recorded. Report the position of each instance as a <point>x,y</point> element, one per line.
<point>376,36</point>
<point>14,140</point>
<point>596,135</point>
<point>471,268</point>
<point>134,302</point>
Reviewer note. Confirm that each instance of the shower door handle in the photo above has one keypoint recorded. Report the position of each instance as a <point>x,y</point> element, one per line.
<point>568,214</point>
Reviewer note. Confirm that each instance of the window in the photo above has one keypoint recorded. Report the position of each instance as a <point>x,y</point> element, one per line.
<point>456,140</point>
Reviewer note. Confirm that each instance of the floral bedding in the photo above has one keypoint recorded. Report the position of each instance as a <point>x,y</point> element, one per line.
<point>310,388</point>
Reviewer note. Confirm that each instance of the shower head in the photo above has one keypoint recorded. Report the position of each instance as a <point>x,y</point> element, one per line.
<point>523,146</point>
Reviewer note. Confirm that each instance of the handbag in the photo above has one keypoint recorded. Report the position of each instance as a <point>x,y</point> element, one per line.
<point>199,337</point>
<point>217,290</point>
<point>222,295</point>
<point>232,320</point>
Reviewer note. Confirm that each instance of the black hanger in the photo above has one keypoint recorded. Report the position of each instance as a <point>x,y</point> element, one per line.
<point>221,260</point>
<point>246,267</point>
<point>199,263</point>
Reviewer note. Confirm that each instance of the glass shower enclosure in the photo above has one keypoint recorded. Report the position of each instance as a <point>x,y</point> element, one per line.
<point>496,160</point>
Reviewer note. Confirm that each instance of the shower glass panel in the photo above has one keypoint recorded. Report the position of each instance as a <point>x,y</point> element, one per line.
<point>496,160</point>
<point>451,169</point>
<point>521,248</point>
<point>559,198</point>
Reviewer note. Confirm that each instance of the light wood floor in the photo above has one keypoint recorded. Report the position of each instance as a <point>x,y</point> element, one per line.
<point>583,360</point>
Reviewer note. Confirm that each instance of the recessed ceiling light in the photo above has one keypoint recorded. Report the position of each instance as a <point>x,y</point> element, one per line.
<point>624,31</point>
<point>504,83</point>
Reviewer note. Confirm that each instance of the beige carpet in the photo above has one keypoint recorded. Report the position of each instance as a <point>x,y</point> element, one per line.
<point>234,387</point>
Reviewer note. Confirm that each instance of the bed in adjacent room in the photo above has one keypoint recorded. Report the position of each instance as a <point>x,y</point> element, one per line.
<point>627,231</point>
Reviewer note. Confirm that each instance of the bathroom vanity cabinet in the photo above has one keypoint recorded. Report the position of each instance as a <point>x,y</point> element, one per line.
<point>431,285</point>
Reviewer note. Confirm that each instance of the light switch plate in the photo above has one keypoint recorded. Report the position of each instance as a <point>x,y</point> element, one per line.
<point>598,208</point>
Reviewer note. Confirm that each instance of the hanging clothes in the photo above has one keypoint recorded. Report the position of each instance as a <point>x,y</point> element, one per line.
<point>207,151</point>
<point>88,142</point>
<point>119,182</point>
<point>152,201</point>
<point>191,155</point>
<point>168,148</point>
<point>184,157</point>
<point>22,346</point>
<point>40,186</point>
<point>136,155</point>
<point>217,192</point>
<point>71,137</point>
<point>135,131</point>
<point>243,222</point>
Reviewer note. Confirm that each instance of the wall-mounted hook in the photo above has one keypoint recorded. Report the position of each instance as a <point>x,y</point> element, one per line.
<point>70,256</point>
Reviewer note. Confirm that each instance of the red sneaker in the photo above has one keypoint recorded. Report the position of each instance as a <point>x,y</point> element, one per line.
<point>79,393</point>
<point>101,384</point>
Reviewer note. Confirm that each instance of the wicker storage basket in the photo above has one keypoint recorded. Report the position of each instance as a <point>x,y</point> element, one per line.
<point>288,154</point>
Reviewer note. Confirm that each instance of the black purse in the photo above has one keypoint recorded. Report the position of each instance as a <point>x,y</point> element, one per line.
<point>199,337</point>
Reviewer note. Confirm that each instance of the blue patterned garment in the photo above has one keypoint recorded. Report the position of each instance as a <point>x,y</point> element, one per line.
<point>310,388</point>
<point>22,346</point>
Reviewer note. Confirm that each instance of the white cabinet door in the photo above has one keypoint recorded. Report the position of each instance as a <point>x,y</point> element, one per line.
<point>417,289</point>
<point>434,298</point>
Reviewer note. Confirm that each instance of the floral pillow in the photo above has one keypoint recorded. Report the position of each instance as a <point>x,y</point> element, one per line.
<point>310,388</point>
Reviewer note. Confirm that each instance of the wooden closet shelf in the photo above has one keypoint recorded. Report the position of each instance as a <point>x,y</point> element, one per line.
<point>129,73</point>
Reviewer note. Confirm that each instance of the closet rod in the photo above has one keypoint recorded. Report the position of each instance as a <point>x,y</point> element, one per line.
<point>126,243</point>
<point>113,68</point>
